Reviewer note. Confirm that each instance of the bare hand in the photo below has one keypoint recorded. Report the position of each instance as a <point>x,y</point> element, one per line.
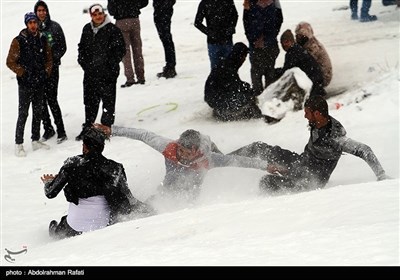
<point>47,178</point>
<point>104,128</point>
<point>276,169</point>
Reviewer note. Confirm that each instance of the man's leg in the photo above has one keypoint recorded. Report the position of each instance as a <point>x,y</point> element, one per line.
<point>124,26</point>
<point>136,41</point>
<point>24,101</point>
<point>52,101</point>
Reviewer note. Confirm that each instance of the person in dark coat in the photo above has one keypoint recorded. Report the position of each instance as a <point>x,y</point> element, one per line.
<point>262,20</point>
<point>231,98</point>
<point>313,168</point>
<point>100,50</point>
<point>221,18</point>
<point>56,39</point>
<point>127,18</point>
<point>31,60</point>
<point>163,10</point>
<point>95,187</point>
<point>297,56</point>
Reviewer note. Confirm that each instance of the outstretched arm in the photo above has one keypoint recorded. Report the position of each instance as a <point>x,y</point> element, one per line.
<point>365,152</point>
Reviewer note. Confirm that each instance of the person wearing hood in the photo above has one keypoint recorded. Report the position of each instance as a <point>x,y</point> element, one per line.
<point>31,60</point>
<point>95,187</point>
<point>231,98</point>
<point>187,159</point>
<point>56,39</point>
<point>312,168</point>
<point>305,38</point>
<point>100,50</point>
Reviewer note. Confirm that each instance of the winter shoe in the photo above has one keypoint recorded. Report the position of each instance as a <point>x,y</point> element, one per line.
<point>368,18</point>
<point>354,16</point>
<point>62,139</point>
<point>52,228</point>
<point>167,73</point>
<point>47,135</point>
<point>19,150</point>
<point>270,120</point>
<point>36,145</point>
<point>128,84</point>
<point>139,82</point>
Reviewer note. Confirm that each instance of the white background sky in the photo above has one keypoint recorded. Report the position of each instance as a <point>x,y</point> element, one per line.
<point>353,221</point>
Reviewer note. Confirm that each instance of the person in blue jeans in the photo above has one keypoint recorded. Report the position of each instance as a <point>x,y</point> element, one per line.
<point>364,16</point>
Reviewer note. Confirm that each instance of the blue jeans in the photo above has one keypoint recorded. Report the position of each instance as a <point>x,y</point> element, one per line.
<point>216,52</point>
<point>366,4</point>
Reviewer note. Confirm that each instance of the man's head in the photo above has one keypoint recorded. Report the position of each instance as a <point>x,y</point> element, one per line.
<point>188,147</point>
<point>316,111</point>
<point>93,140</point>
<point>304,32</point>
<point>41,10</point>
<point>97,14</point>
<point>31,22</point>
<point>287,39</point>
<point>239,52</point>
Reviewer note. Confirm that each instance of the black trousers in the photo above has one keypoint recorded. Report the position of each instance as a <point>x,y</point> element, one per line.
<point>94,91</point>
<point>26,96</point>
<point>262,61</point>
<point>162,21</point>
<point>63,230</point>
<point>50,100</point>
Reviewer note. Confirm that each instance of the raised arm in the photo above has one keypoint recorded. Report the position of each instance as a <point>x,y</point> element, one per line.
<point>155,141</point>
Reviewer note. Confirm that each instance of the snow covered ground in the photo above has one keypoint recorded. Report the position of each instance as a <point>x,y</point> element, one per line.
<point>354,221</point>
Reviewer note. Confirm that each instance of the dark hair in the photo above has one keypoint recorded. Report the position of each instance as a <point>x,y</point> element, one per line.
<point>287,36</point>
<point>190,138</point>
<point>317,103</point>
<point>94,139</point>
<point>239,50</point>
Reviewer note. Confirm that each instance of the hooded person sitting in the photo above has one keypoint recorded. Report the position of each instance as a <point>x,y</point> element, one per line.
<point>231,98</point>
<point>305,37</point>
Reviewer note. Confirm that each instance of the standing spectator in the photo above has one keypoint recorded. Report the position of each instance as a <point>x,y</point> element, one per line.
<point>30,59</point>
<point>56,39</point>
<point>364,16</point>
<point>231,98</point>
<point>163,10</point>
<point>95,187</point>
<point>126,14</point>
<point>262,20</point>
<point>100,51</point>
<point>221,18</point>
<point>305,38</point>
<point>313,168</point>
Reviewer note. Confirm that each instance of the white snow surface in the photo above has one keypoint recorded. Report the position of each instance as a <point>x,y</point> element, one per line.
<point>353,221</point>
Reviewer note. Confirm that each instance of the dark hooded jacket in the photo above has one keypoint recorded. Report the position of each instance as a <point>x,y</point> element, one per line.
<point>53,33</point>
<point>221,18</point>
<point>224,85</point>
<point>121,9</point>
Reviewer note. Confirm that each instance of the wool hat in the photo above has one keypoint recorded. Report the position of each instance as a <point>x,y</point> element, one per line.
<point>30,16</point>
<point>96,7</point>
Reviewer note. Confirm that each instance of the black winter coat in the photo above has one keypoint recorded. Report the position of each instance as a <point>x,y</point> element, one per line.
<point>121,9</point>
<point>221,18</point>
<point>297,56</point>
<point>54,35</point>
<point>90,175</point>
<point>100,54</point>
<point>224,89</point>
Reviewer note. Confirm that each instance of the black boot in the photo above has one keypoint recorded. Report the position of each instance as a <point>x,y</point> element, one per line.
<point>168,72</point>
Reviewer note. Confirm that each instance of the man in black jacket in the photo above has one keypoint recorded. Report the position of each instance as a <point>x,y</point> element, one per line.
<point>100,50</point>
<point>313,168</point>
<point>56,39</point>
<point>96,188</point>
<point>231,98</point>
<point>221,18</point>
<point>163,10</point>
